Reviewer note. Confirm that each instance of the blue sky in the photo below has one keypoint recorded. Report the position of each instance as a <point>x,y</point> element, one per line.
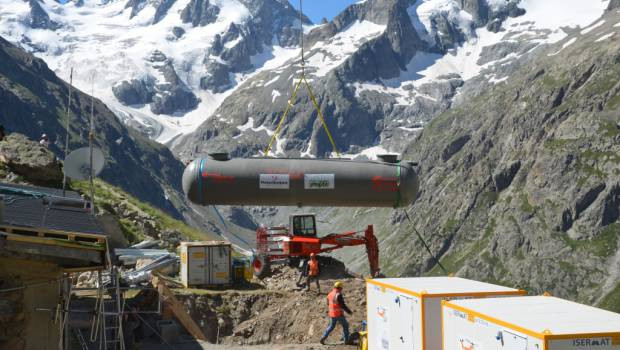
<point>317,9</point>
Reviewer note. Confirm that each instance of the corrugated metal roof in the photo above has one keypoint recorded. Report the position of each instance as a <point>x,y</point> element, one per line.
<point>45,208</point>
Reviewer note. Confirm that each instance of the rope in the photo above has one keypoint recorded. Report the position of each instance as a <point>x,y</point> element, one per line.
<point>229,230</point>
<point>303,79</point>
<point>428,249</point>
<point>288,108</point>
<point>318,109</point>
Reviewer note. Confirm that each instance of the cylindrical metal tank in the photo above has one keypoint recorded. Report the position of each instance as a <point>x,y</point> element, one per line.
<point>300,182</point>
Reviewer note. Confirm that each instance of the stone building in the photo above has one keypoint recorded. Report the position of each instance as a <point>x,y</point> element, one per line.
<point>43,237</point>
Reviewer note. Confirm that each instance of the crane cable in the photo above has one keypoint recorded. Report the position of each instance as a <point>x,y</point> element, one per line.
<point>302,79</point>
<point>428,249</point>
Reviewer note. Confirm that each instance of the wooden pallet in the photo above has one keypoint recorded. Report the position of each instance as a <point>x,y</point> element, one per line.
<point>55,234</point>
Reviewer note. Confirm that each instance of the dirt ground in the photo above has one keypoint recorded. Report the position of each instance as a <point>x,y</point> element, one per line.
<point>277,314</point>
<point>207,346</point>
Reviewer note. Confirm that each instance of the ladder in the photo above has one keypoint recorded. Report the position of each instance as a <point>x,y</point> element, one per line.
<point>111,313</point>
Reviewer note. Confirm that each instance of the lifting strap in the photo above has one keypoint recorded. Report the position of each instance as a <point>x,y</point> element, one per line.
<point>302,79</point>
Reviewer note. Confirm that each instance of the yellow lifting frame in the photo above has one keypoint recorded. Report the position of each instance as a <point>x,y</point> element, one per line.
<point>288,108</point>
<point>289,104</point>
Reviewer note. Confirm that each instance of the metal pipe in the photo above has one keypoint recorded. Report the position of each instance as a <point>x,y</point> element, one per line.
<point>218,180</point>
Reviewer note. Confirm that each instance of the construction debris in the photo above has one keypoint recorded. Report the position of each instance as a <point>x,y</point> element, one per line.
<point>143,274</point>
<point>149,243</point>
<point>130,256</point>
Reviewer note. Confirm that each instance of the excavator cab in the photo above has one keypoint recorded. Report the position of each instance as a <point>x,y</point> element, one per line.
<point>302,225</point>
<point>299,240</point>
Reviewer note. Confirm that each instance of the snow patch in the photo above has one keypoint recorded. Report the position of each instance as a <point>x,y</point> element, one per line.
<point>410,129</point>
<point>274,94</point>
<point>422,12</point>
<point>592,27</point>
<point>605,37</point>
<point>494,80</point>
<point>99,38</point>
<point>566,44</point>
<point>272,80</point>
<point>370,153</point>
<point>308,152</point>
<point>325,56</point>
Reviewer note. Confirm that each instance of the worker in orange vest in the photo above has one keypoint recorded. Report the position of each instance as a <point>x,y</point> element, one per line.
<point>313,272</point>
<point>337,308</point>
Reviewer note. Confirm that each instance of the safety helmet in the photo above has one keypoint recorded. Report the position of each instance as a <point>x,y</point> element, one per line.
<point>338,285</point>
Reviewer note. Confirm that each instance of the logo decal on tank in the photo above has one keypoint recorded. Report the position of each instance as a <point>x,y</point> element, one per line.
<point>319,181</point>
<point>274,181</point>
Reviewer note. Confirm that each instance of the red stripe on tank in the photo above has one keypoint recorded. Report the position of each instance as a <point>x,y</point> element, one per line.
<point>384,184</point>
<point>218,178</point>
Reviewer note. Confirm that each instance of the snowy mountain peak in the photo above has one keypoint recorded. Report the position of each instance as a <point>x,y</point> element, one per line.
<point>168,66</point>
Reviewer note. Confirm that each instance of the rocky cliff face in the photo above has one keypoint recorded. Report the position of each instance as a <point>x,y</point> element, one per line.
<point>520,185</point>
<point>176,58</point>
<point>362,66</point>
<point>22,159</point>
<point>34,102</point>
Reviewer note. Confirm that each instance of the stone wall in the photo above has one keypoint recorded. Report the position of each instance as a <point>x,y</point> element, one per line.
<point>21,326</point>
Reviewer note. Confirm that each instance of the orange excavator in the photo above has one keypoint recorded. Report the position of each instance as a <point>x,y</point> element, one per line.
<point>279,245</point>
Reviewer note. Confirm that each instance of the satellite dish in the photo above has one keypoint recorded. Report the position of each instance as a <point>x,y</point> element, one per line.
<point>77,164</point>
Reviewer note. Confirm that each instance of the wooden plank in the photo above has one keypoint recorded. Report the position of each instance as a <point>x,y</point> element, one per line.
<point>81,257</point>
<point>51,242</point>
<point>41,231</point>
<point>177,309</point>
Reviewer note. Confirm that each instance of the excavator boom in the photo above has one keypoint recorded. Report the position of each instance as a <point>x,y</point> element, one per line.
<point>275,244</point>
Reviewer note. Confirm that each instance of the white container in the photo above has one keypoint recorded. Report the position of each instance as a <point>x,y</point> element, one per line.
<point>528,323</point>
<point>405,313</point>
<point>206,263</point>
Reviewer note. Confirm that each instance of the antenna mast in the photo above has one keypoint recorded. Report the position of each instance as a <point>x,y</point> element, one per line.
<point>64,178</point>
<point>91,138</point>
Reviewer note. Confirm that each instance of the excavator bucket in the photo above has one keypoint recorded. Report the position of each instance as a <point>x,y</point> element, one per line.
<point>372,250</point>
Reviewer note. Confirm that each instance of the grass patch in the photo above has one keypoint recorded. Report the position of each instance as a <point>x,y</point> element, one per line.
<point>603,245</point>
<point>450,225</point>
<point>497,265</point>
<point>131,231</point>
<point>608,129</point>
<point>558,144</point>
<point>611,301</point>
<point>613,102</point>
<point>596,157</point>
<point>454,261</point>
<point>106,196</point>
<point>488,198</point>
<point>551,81</point>
<point>526,206</point>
